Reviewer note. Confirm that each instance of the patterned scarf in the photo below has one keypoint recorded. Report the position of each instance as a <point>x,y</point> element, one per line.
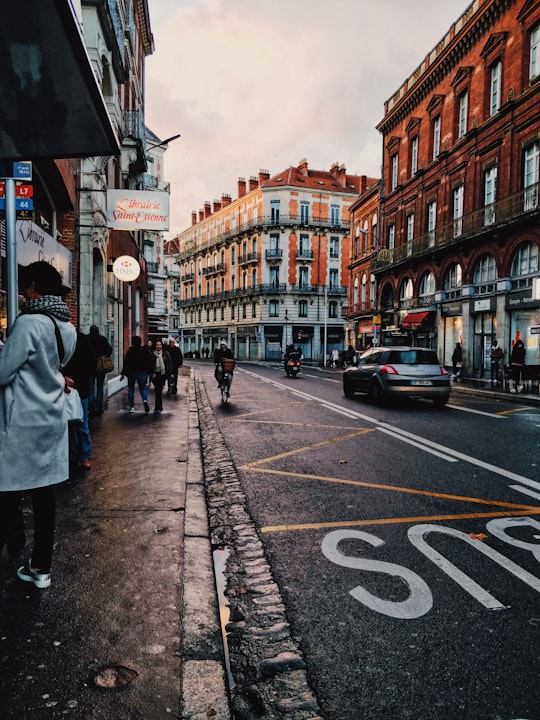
<point>52,304</point>
<point>160,365</point>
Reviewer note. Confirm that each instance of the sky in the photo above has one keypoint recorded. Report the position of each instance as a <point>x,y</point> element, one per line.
<point>259,84</point>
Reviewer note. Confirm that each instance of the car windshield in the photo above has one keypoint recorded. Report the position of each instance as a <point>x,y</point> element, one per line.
<point>413,357</point>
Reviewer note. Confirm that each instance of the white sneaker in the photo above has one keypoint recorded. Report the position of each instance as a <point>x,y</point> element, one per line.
<point>131,409</point>
<point>512,390</point>
<point>519,388</point>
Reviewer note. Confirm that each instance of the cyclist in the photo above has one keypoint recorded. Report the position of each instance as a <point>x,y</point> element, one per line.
<point>221,353</point>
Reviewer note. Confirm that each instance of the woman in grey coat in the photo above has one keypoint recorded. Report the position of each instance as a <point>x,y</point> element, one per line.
<point>33,429</point>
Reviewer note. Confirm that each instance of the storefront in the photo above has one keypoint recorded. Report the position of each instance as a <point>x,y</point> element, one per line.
<point>484,326</point>
<point>524,318</point>
<point>452,330</point>
<point>365,334</point>
<point>420,327</point>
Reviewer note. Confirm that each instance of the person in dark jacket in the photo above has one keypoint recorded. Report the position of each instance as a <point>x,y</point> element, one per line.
<point>177,359</point>
<point>517,361</point>
<point>100,346</point>
<point>457,361</point>
<point>161,369</point>
<point>222,352</point>
<point>136,368</point>
<point>80,369</point>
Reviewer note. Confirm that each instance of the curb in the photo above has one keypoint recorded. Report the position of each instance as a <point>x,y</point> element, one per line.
<point>204,692</point>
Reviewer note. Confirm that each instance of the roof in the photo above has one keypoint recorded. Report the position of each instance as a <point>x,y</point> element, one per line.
<point>334,180</point>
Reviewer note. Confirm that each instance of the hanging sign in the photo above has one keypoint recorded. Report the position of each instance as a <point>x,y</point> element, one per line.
<point>137,210</point>
<point>126,268</point>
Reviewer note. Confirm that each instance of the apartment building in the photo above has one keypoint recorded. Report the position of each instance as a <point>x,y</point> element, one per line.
<point>269,268</point>
<point>459,217</point>
<point>362,321</point>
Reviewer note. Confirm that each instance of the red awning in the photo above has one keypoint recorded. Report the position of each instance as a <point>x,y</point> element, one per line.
<point>414,320</point>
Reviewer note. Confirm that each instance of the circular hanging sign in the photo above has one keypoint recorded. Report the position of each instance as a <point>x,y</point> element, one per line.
<point>126,268</point>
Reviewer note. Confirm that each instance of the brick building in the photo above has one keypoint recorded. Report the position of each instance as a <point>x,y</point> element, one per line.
<point>270,267</point>
<point>459,234</point>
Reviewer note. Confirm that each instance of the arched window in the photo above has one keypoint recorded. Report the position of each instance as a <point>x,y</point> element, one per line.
<point>355,293</point>
<point>453,278</point>
<point>364,283</point>
<point>427,284</point>
<point>387,298</point>
<point>485,269</point>
<point>406,290</point>
<point>525,260</point>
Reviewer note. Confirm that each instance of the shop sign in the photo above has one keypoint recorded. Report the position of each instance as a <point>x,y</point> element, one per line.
<point>34,244</point>
<point>451,309</point>
<point>137,210</point>
<point>521,299</point>
<point>126,268</point>
<point>484,305</point>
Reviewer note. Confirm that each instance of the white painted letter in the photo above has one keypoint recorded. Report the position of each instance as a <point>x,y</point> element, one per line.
<point>420,600</point>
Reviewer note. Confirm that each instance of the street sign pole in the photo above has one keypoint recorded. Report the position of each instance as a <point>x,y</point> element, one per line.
<point>11,254</point>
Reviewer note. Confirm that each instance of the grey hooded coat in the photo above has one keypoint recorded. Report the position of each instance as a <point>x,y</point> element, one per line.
<point>33,429</point>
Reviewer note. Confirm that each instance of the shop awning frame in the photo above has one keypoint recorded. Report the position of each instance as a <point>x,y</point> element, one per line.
<point>415,320</point>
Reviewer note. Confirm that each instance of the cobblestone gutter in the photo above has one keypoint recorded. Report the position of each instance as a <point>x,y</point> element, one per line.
<point>265,661</point>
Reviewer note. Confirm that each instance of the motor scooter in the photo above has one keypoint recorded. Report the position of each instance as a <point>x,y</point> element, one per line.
<point>293,364</point>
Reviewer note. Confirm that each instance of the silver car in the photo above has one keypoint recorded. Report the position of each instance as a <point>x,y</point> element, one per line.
<point>400,371</point>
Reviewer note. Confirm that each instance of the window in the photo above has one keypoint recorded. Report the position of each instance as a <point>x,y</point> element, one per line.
<point>274,277</point>
<point>525,261</point>
<point>333,279</point>
<point>414,155</point>
<point>495,88</point>
<point>222,313</point>
<point>274,211</point>
<point>463,103</point>
<point>274,242</point>
<point>531,166</point>
<point>431,221</point>
<point>485,270</point>
<point>332,309</point>
<point>427,284</point>
<point>304,212</point>
<point>406,291</point>
<point>490,188</point>
<point>273,308</point>
<point>303,246</point>
<point>364,283</point>
<point>334,214</point>
<point>233,312</point>
<point>453,277</point>
<point>303,309</point>
<point>391,236</point>
<point>357,242</point>
<point>334,247</point>
<point>458,210</point>
<point>394,164</point>
<point>374,232</point>
<point>303,277</point>
<point>534,56</point>
<point>410,227</point>
<point>244,311</point>
<point>233,254</point>
<point>436,137</point>
<point>254,310</point>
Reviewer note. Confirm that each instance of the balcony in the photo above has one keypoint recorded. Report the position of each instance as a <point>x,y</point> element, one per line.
<point>152,267</point>
<point>274,255</point>
<point>248,258</point>
<point>358,309</point>
<point>304,255</point>
<point>188,278</point>
<point>214,269</point>
<point>519,207</point>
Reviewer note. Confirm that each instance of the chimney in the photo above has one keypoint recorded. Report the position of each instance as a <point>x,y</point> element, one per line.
<point>193,218</point>
<point>241,187</point>
<point>303,166</point>
<point>207,208</point>
<point>216,205</point>
<point>201,215</point>
<point>363,184</point>
<point>225,200</point>
<point>253,183</point>
<point>264,175</point>
<point>342,172</point>
<point>334,170</point>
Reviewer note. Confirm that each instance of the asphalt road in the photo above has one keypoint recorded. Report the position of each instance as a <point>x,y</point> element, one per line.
<point>405,540</point>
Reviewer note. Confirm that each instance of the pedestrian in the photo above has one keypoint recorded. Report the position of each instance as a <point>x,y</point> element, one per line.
<point>34,443</point>
<point>80,369</point>
<point>496,356</point>
<point>161,369</point>
<point>457,361</point>
<point>335,357</point>
<point>517,361</point>
<point>177,360</point>
<point>100,346</point>
<point>136,367</point>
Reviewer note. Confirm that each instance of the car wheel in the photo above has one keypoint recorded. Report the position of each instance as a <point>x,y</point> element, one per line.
<point>441,401</point>
<point>374,392</point>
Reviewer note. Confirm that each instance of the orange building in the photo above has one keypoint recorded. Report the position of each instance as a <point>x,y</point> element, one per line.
<point>269,268</point>
<point>459,256</point>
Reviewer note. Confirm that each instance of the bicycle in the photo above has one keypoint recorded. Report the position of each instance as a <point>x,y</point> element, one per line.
<point>227,366</point>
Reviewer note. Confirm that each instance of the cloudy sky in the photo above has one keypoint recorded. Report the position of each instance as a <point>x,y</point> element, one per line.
<point>259,84</point>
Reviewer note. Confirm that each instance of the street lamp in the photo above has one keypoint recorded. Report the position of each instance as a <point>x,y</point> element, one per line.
<point>163,142</point>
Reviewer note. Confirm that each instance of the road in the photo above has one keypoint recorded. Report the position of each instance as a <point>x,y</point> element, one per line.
<point>405,540</point>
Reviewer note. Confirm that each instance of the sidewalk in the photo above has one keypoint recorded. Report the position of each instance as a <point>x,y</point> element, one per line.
<point>129,629</point>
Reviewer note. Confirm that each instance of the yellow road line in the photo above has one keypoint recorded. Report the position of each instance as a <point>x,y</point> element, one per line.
<point>299,424</point>
<point>255,463</point>
<point>395,488</point>
<point>392,521</point>
<point>514,410</point>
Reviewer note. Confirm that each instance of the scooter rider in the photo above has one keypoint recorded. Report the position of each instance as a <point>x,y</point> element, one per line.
<point>222,352</point>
